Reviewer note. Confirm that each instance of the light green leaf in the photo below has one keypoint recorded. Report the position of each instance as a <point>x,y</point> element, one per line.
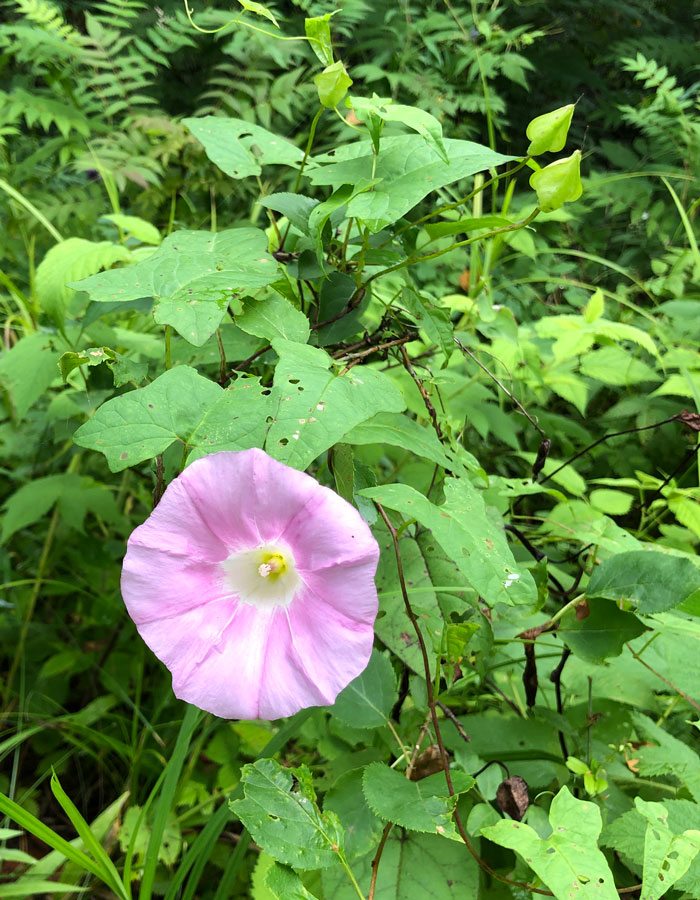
<point>239,148</point>
<point>612,503</point>
<point>318,31</point>
<point>568,861</point>
<point>558,183</point>
<point>26,371</point>
<point>595,307</point>
<point>28,887</point>
<point>427,126</point>
<point>259,10</point>
<point>91,356</point>
<point>547,133</point>
<point>368,700</point>
<point>667,856</point>
<point>418,805</point>
<point>179,405</point>
<point>75,495</point>
<point>72,259</point>
<point>408,167</point>
<point>136,227</point>
<point>616,366</point>
<point>670,756</point>
<point>602,633</point>
<point>628,834</point>
<point>468,535</point>
<point>273,317</point>
<point>193,275</point>
<point>314,407</point>
<point>285,884</point>
<point>654,580</point>
<point>332,84</point>
<point>280,812</point>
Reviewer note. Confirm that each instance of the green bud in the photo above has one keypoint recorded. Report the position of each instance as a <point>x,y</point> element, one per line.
<point>558,183</point>
<point>548,133</point>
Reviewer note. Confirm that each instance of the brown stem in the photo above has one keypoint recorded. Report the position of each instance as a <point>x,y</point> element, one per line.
<point>665,680</point>
<point>455,721</point>
<point>555,678</point>
<point>424,394</point>
<point>377,858</point>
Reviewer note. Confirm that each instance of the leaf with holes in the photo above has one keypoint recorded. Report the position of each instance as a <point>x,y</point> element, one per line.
<point>180,405</point>
<point>467,534</point>
<point>568,861</point>
<point>280,812</point>
<point>667,856</point>
<point>314,407</point>
<point>239,148</point>
<point>193,276</point>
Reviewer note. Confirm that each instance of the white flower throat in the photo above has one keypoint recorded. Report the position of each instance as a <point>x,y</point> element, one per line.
<point>265,577</point>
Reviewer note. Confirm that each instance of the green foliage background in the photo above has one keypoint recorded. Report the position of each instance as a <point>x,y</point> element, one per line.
<point>537,387</point>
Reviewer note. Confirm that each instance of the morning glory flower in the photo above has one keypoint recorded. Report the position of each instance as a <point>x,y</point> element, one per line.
<point>254,585</point>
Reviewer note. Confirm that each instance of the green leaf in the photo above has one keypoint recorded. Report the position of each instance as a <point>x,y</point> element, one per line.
<point>26,371</point>
<point>667,856</point>
<point>239,148</point>
<point>547,133</point>
<point>332,84</point>
<point>259,10</point>
<point>285,884</point>
<point>595,307</point>
<point>314,407</point>
<point>281,814</point>
<point>568,861</point>
<point>368,700</point>
<point>318,31</point>
<point>75,495</point>
<point>295,207</point>
<point>72,259</point>
<point>434,320</point>
<point>628,836</point>
<point>670,756</point>
<point>414,867</point>
<point>408,167</point>
<point>136,227</point>
<point>273,317</point>
<point>654,580</point>
<point>602,633</point>
<point>417,805</point>
<point>346,800</point>
<point>179,405</point>
<point>463,529</point>
<point>443,229</point>
<point>558,183</point>
<point>427,126</point>
<point>92,356</point>
<point>28,887</point>
<point>193,275</point>
<point>400,431</point>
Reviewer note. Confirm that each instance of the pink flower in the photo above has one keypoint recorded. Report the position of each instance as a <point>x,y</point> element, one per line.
<point>254,585</point>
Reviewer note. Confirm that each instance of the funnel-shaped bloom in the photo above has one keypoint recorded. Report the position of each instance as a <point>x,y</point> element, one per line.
<point>254,585</point>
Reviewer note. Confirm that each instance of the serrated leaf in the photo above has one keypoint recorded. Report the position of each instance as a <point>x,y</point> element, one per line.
<point>568,861</point>
<point>193,276</point>
<point>281,814</point>
<point>654,580</point>
<point>179,405</point>
<point>468,535</point>
<point>72,259</point>
<point>314,407</point>
<point>368,700</point>
<point>408,167</point>
<point>418,805</point>
<point>670,756</point>
<point>240,148</point>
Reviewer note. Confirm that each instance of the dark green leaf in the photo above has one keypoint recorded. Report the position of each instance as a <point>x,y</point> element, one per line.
<point>602,633</point>
<point>654,580</point>
<point>367,701</point>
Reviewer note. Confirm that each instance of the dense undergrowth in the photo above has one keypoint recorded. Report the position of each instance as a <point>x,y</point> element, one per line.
<point>499,362</point>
